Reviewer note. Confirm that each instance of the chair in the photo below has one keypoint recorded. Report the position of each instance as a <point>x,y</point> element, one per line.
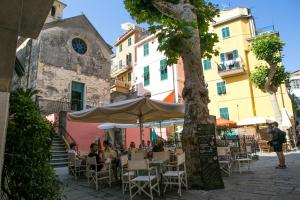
<point>263,146</point>
<point>178,177</point>
<point>125,174</point>
<point>142,181</point>
<point>163,156</point>
<point>140,155</point>
<point>74,165</point>
<point>94,174</point>
<point>225,159</point>
<point>244,158</point>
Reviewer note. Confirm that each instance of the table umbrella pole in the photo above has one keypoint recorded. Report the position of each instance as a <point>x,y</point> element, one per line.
<point>141,130</point>
<point>160,129</point>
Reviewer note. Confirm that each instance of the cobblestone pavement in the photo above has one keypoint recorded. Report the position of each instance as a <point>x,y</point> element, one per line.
<point>263,182</point>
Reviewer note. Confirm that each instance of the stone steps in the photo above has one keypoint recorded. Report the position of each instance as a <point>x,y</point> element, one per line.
<point>59,153</point>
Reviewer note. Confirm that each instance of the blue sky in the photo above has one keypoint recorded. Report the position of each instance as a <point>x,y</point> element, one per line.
<point>108,15</point>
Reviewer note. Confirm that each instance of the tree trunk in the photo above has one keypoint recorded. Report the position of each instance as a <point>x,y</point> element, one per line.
<point>275,106</point>
<point>198,136</point>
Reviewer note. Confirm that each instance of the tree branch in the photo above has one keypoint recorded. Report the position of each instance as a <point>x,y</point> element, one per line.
<point>271,75</point>
<point>167,8</point>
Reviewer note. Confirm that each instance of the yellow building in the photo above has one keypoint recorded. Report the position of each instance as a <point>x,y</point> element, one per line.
<point>124,60</point>
<point>227,75</point>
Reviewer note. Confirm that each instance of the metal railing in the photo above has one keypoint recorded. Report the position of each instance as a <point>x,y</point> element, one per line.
<point>68,139</point>
<point>229,65</point>
<point>266,29</point>
<point>115,82</point>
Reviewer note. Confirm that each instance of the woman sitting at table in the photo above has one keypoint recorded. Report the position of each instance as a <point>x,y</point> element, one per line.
<point>131,150</point>
<point>109,153</point>
<point>73,151</point>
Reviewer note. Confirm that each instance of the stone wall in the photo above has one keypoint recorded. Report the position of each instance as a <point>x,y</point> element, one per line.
<point>51,63</point>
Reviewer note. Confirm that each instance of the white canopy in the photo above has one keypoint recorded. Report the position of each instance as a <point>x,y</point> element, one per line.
<point>115,125</point>
<point>142,109</point>
<point>254,121</point>
<point>286,122</point>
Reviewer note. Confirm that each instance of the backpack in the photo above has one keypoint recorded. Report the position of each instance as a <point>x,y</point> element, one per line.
<point>281,136</point>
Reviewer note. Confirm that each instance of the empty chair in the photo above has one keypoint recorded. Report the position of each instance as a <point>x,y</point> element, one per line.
<point>163,156</point>
<point>225,159</point>
<point>177,177</point>
<point>125,174</point>
<point>140,155</point>
<point>98,172</point>
<point>150,180</point>
<point>244,158</point>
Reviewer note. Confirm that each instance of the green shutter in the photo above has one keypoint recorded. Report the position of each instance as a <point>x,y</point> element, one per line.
<point>207,64</point>
<point>163,69</point>
<point>146,49</point>
<point>224,113</point>
<point>222,56</point>
<point>129,41</point>
<point>146,76</point>
<point>120,48</point>
<point>223,33</point>
<point>227,32</point>
<point>120,63</point>
<point>235,54</point>
<point>221,88</point>
<point>129,76</point>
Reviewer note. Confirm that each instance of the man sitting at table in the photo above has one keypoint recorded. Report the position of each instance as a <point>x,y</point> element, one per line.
<point>93,153</point>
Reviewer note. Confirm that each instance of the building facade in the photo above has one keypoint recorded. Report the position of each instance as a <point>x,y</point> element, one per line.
<point>294,91</point>
<point>122,86</point>
<point>151,73</point>
<point>68,63</point>
<point>232,94</point>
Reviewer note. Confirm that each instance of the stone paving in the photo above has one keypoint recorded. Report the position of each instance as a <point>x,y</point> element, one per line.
<point>263,182</point>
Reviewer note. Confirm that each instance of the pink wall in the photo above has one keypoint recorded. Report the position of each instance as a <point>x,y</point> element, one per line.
<point>133,135</point>
<point>84,134</point>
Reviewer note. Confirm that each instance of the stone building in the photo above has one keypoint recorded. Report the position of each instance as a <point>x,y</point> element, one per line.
<point>69,63</point>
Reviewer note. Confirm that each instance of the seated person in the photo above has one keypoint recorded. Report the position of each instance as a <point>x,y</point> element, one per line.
<point>109,153</point>
<point>93,153</point>
<point>158,146</point>
<point>73,151</point>
<point>131,149</point>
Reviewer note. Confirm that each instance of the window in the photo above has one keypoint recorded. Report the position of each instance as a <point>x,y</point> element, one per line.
<point>163,70</point>
<point>77,96</point>
<point>224,113</point>
<point>53,11</point>
<point>207,64</point>
<point>225,32</point>
<point>221,88</point>
<point>120,64</point>
<point>120,48</point>
<point>146,76</point>
<point>232,55</point>
<point>79,46</point>
<point>146,49</point>
<point>129,41</point>
<point>295,84</point>
<point>129,76</point>
<point>128,59</point>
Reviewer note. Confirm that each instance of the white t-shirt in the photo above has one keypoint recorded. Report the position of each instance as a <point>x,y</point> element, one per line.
<point>72,151</point>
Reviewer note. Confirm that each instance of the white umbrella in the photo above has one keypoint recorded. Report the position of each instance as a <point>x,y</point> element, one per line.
<point>115,125</point>
<point>286,122</point>
<point>254,121</point>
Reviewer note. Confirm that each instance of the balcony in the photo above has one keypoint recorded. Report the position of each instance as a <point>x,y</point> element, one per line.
<point>119,86</point>
<point>117,70</point>
<point>230,68</point>
<point>266,29</point>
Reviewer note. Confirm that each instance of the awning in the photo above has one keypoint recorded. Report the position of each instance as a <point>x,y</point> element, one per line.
<point>170,98</point>
<point>225,122</point>
<point>255,121</point>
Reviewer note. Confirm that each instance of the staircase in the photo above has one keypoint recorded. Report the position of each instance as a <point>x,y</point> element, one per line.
<point>59,153</point>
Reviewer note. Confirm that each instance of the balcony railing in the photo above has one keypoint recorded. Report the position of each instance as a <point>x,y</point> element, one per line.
<point>116,69</point>
<point>266,29</point>
<point>118,83</point>
<point>230,68</point>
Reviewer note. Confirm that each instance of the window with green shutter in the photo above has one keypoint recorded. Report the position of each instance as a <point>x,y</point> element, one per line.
<point>129,76</point>
<point>120,63</point>
<point>224,113</point>
<point>221,88</point>
<point>207,64</point>
<point>225,32</point>
<point>128,59</point>
<point>163,70</point>
<point>129,41</point>
<point>146,49</point>
<point>235,54</point>
<point>146,76</point>
<point>120,48</point>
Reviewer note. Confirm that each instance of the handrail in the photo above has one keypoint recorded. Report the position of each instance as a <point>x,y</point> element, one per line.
<point>68,138</point>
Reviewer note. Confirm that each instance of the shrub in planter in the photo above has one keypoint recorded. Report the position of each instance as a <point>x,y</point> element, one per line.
<point>27,173</point>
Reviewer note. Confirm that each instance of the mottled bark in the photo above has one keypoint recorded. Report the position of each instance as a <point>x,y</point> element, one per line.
<point>271,89</point>
<point>199,132</point>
